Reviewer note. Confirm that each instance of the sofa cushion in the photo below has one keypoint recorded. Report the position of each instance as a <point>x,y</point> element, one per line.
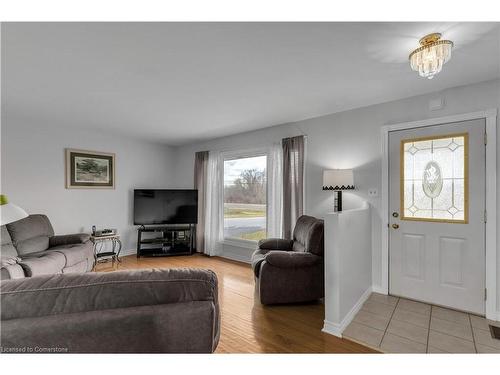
<point>275,244</point>
<point>291,259</point>
<point>85,265</point>
<point>33,245</point>
<point>9,269</point>
<point>302,227</point>
<point>8,254</point>
<point>43,263</point>
<point>73,293</point>
<point>8,249</point>
<point>298,247</point>
<point>75,253</point>
<point>69,239</point>
<point>31,234</point>
<point>308,235</point>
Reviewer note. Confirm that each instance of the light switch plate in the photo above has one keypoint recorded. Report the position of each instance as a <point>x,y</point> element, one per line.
<point>372,192</point>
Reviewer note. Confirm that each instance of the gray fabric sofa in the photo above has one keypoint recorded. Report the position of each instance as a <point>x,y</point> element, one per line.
<point>291,271</point>
<point>30,248</point>
<point>142,311</point>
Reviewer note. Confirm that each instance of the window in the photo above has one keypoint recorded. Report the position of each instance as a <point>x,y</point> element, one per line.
<point>434,182</point>
<point>245,197</point>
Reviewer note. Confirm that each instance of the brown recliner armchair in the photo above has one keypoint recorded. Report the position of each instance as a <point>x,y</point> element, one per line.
<point>288,271</point>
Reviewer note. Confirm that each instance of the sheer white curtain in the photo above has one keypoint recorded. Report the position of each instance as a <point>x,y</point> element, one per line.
<point>274,192</point>
<point>213,205</point>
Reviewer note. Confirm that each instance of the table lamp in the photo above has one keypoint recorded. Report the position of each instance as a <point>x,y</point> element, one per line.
<point>9,211</point>
<point>338,180</point>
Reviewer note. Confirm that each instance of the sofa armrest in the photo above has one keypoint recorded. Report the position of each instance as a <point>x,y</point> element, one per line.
<point>11,271</point>
<point>68,239</point>
<point>291,259</point>
<point>74,293</point>
<point>8,260</point>
<point>276,244</point>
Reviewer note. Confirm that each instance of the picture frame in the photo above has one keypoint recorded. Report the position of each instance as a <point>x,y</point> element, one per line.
<point>89,169</point>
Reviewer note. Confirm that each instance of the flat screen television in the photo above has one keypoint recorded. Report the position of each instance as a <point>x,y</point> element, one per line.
<point>154,207</point>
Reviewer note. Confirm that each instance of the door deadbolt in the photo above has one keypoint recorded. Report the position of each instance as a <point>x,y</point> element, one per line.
<point>395,226</point>
<point>395,214</point>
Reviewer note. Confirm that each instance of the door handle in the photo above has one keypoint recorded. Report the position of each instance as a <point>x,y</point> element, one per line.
<point>395,226</point>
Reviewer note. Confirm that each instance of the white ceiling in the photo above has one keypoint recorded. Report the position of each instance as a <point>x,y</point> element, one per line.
<point>179,83</point>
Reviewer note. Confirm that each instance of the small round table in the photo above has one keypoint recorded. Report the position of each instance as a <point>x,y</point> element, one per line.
<point>99,247</point>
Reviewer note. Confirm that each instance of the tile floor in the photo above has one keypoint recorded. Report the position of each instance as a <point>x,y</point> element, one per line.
<point>398,325</point>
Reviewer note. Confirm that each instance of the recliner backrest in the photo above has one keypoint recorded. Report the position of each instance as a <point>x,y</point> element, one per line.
<point>308,235</point>
<point>8,249</point>
<point>31,234</point>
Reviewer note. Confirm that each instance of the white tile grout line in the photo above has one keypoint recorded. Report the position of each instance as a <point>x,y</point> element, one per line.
<point>456,323</point>
<point>428,327</point>
<point>472,333</point>
<point>389,323</point>
<point>428,332</point>
<point>367,325</point>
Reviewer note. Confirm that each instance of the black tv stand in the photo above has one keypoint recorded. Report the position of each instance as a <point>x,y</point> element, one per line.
<point>166,240</point>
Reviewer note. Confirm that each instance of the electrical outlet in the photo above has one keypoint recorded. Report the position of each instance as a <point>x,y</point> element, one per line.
<point>372,192</point>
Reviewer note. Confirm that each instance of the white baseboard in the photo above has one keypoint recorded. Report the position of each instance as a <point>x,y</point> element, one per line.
<point>379,289</point>
<point>336,329</point>
<point>236,257</point>
<point>128,252</point>
<point>497,317</point>
<point>332,328</point>
<point>228,255</point>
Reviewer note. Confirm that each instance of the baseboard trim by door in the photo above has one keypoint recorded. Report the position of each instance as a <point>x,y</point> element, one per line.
<point>497,317</point>
<point>337,329</point>
<point>379,289</point>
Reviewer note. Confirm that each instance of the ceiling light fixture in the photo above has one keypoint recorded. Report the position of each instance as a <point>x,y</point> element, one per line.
<point>429,58</point>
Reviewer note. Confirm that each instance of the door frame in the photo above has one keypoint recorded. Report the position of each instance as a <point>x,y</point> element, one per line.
<point>491,193</point>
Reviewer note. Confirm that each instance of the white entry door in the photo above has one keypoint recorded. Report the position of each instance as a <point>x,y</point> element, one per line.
<point>437,214</point>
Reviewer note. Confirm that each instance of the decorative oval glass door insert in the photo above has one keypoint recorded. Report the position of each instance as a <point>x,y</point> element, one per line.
<point>434,178</point>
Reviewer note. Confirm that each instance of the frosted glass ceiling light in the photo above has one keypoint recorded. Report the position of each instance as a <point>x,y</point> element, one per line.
<point>429,58</point>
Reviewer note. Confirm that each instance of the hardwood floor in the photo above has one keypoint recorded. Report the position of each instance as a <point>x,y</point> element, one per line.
<point>247,326</point>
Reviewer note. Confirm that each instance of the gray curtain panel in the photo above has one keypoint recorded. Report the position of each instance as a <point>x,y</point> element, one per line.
<point>200,183</point>
<point>293,183</point>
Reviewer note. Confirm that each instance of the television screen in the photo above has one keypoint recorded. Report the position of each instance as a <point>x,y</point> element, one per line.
<point>165,207</point>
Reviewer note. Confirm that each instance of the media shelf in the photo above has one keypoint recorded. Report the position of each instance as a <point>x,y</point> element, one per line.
<point>167,240</point>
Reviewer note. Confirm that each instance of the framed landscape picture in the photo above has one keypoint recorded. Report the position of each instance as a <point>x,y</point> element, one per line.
<point>89,169</point>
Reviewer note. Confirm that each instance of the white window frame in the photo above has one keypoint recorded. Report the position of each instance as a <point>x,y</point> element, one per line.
<point>235,154</point>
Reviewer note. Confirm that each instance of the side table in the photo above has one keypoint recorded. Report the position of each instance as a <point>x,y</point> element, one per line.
<point>99,247</point>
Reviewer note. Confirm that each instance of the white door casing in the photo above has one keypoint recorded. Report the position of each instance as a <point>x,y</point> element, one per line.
<point>437,222</point>
<point>490,116</point>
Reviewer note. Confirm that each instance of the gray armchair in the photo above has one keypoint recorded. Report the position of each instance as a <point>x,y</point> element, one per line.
<point>290,271</point>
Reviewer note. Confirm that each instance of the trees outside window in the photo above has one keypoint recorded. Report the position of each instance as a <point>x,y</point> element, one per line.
<point>245,198</point>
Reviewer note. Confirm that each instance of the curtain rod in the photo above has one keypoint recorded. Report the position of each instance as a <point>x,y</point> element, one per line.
<point>254,148</point>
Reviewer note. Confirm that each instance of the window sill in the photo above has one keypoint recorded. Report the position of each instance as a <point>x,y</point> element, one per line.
<point>247,244</point>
